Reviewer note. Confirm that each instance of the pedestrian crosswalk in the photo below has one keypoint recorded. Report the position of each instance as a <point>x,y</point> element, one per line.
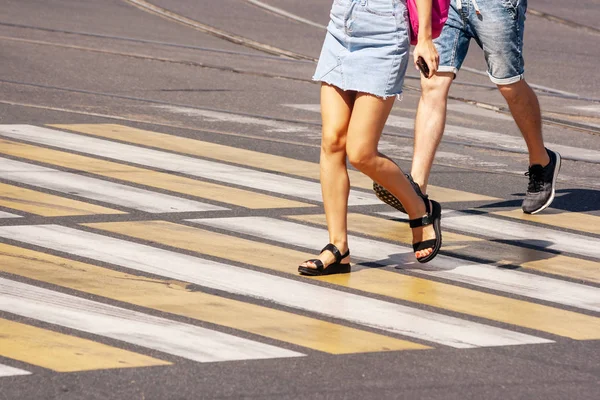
<point>168,260</point>
<point>64,353</point>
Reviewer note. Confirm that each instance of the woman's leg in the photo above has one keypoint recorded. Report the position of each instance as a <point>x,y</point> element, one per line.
<point>364,131</point>
<point>336,108</point>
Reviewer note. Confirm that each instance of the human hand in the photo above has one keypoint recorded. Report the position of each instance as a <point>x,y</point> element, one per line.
<point>425,49</point>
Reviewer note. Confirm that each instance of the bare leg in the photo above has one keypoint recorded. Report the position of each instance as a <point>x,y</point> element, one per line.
<point>525,109</point>
<point>366,124</point>
<point>429,125</point>
<point>336,108</point>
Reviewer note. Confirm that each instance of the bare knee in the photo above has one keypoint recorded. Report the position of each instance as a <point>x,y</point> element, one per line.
<point>334,140</point>
<point>513,91</point>
<point>437,87</point>
<point>362,159</point>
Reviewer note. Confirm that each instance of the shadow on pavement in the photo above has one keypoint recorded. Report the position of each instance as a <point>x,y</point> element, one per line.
<point>574,200</point>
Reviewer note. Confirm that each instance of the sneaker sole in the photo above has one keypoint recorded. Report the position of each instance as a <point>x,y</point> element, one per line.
<point>551,199</point>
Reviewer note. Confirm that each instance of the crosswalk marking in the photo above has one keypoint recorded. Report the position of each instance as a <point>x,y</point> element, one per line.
<point>391,317</point>
<point>538,260</point>
<point>482,275</point>
<point>470,109</point>
<point>161,180</point>
<point>418,290</point>
<point>245,177</point>
<point>192,342</point>
<point>64,353</point>
<point>249,158</point>
<point>294,167</point>
<point>369,280</point>
<point>4,214</point>
<point>498,229</point>
<point>5,370</point>
<point>570,220</point>
<point>448,302</point>
<point>562,265</point>
<point>175,297</point>
<point>383,228</point>
<point>470,135</point>
<point>96,189</point>
<point>213,116</point>
<point>47,205</point>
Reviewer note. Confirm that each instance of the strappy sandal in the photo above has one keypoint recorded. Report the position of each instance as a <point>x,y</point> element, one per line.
<point>384,195</point>
<point>434,218</point>
<point>336,267</point>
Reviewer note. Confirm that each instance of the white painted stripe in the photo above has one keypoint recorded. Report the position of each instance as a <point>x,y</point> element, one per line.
<point>183,340</point>
<point>500,229</point>
<point>216,116</point>
<point>533,85</point>
<point>471,109</point>
<point>487,276</point>
<point>4,214</point>
<point>482,137</point>
<point>5,370</point>
<point>362,310</point>
<point>593,109</point>
<point>216,171</point>
<point>286,14</point>
<point>97,189</point>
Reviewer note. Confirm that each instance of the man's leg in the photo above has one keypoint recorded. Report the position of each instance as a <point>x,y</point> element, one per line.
<point>500,35</point>
<point>525,109</point>
<point>544,164</point>
<point>429,125</point>
<point>452,46</point>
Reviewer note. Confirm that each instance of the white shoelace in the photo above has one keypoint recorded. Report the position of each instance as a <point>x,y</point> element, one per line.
<point>459,5</point>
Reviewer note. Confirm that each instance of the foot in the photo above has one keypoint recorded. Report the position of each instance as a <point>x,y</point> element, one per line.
<point>423,233</point>
<point>542,184</point>
<point>327,258</point>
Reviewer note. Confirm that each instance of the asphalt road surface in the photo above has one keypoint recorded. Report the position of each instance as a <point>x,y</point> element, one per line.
<point>159,186</point>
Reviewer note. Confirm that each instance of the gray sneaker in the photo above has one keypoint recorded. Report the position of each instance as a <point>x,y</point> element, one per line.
<point>542,183</point>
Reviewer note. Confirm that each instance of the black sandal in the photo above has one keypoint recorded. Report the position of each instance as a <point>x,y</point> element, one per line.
<point>334,268</point>
<point>384,195</point>
<point>433,217</point>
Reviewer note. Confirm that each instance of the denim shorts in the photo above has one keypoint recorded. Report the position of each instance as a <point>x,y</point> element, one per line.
<point>366,47</point>
<point>498,30</point>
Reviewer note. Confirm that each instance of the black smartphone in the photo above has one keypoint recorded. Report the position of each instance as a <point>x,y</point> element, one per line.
<point>423,67</point>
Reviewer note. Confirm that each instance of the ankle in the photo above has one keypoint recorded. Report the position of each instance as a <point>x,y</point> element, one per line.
<point>417,210</point>
<point>421,181</point>
<point>542,159</point>
<point>342,245</point>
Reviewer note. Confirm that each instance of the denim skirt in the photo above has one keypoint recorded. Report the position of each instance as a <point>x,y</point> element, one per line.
<point>366,47</point>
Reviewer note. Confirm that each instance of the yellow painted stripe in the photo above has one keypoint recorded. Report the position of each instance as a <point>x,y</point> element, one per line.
<point>64,353</point>
<point>371,280</point>
<point>569,220</point>
<point>47,205</point>
<point>562,265</point>
<point>175,297</point>
<point>242,157</point>
<point>382,228</point>
<point>533,259</point>
<point>147,177</point>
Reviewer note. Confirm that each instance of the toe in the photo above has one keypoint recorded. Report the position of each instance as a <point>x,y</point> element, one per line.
<point>424,253</point>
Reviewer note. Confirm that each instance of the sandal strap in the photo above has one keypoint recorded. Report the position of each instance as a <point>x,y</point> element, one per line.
<point>423,221</point>
<point>428,218</point>
<point>318,264</point>
<point>416,186</point>
<point>336,252</point>
<point>426,244</point>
